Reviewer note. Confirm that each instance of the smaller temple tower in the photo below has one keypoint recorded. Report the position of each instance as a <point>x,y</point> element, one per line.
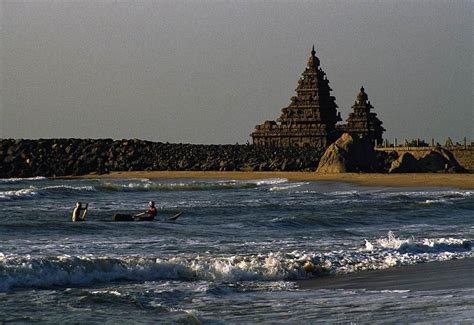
<point>362,122</point>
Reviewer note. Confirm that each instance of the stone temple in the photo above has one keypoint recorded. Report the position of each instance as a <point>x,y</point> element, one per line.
<point>312,116</point>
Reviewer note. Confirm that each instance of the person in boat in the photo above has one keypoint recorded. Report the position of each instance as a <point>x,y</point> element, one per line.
<point>76,213</point>
<point>149,214</point>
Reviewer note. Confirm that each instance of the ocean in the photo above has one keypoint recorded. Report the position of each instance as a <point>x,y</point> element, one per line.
<point>236,255</point>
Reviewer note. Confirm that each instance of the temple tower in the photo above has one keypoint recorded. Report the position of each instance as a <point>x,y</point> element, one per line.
<point>362,122</point>
<point>311,117</point>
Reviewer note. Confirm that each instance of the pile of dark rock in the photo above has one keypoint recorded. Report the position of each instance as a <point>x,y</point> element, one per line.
<point>353,154</point>
<point>434,161</point>
<point>64,157</point>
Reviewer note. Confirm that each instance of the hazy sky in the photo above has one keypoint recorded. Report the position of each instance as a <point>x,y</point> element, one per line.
<point>209,71</point>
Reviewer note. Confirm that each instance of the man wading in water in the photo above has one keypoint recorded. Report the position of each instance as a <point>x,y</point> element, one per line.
<point>76,213</point>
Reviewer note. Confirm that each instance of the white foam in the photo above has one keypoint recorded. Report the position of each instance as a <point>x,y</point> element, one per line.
<point>32,191</point>
<point>28,271</point>
<point>151,186</point>
<point>286,186</point>
<point>343,193</point>
<point>392,241</point>
<point>268,181</point>
<point>66,187</point>
<point>451,194</point>
<point>428,202</point>
<point>368,245</point>
<point>18,179</point>
<point>107,292</point>
<point>17,194</point>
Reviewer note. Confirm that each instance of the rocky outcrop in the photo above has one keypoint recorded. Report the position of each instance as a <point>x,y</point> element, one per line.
<point>348,154</point>
<point>434,161</point>
<point>63,157</point>
<point>406,163</point>
<point>452,163</point>
<point>384,160</point>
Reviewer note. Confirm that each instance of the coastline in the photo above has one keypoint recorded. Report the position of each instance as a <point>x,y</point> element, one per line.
<point>464,181</point>
<point>453,274</point>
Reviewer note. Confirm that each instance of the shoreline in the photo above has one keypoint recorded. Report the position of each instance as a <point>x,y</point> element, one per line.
<point>463,181</point>
<point>443,275</point>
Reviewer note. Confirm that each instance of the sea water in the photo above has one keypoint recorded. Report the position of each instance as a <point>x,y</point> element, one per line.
<point>234,256</point>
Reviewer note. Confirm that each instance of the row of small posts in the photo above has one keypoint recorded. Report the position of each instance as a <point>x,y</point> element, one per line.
<point>421,143</point>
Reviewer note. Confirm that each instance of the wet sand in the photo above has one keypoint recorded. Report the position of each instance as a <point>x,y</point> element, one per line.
<point>465,181</point>
<point>455,274</point>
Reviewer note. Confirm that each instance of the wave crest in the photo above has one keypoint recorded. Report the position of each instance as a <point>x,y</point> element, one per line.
<point>194,186</point>
<point>18,179</point>
<point>19,194</point>
<point>32,191</point>
<point>20,272</point>
<point>25,271</point>
<point>449,245</point>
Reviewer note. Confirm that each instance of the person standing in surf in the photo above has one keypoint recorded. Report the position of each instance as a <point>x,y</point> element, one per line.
<point>76,213</point>
<point>149,214</point>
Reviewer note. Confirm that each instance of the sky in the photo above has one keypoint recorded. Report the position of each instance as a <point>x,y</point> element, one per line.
<point>209,71</point>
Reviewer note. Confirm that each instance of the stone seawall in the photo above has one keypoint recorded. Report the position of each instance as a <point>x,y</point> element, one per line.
<point>463,155</point>
<point>63,157</point>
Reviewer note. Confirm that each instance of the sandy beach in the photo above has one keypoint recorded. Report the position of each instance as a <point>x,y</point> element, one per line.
<point>464,181</point>
<point>454,274</point>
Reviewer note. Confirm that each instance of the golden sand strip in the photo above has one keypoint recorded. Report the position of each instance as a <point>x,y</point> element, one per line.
<point>465,181</point>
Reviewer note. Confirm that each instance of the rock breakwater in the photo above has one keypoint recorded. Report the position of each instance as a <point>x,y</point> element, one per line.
<point>65,157</point>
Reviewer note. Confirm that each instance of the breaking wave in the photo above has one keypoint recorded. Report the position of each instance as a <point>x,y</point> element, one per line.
<point>26,271</point>
<point>32,191</point>
<point>428,195</point>
<point>442,245</point>
<point>17,179</point>
<point>282,187</point>
<point>268,181</point>
<point>147,185</point>
<point>137,186</point>
<point>194,186</point>
<point>18,194</point>
<point>441,197</point>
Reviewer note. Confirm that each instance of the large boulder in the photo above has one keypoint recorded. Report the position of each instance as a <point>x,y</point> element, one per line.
<point>406,163</point>
<point>334,160</point>
<point>348,154</point>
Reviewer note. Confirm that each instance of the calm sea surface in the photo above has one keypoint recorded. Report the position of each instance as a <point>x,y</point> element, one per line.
<point>232,257</point>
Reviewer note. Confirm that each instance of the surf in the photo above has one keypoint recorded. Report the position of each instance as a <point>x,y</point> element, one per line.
<point>48,271</point>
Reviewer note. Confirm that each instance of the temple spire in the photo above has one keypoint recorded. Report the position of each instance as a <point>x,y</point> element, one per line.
<point>362,121</point>
<point>309,119</point>
<point>362,96</point>
<point>313,61</point>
